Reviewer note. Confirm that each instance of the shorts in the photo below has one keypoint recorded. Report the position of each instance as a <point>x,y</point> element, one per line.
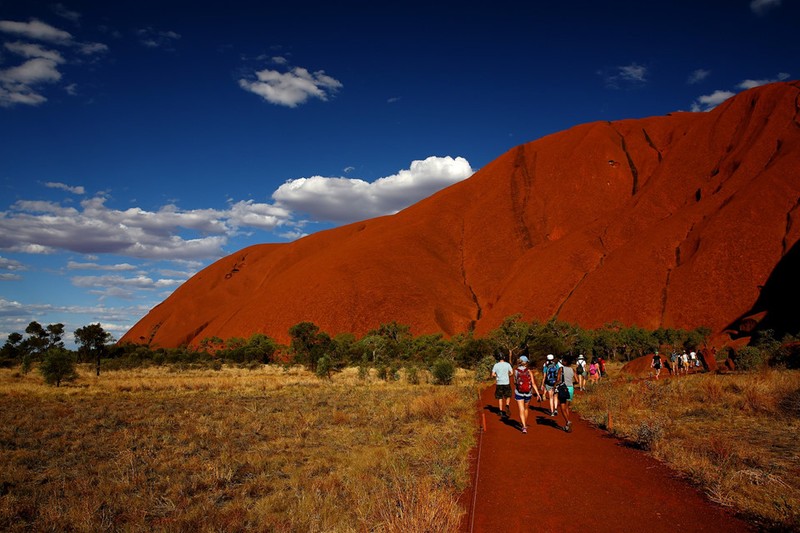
<point>502,391</point>
<point>549,388</point>
<point>522,396</point>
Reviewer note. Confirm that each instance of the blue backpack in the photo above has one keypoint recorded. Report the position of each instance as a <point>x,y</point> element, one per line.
<point>550,373</point>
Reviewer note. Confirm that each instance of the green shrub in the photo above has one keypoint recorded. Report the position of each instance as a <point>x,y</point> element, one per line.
<point>58,365</point>
<point>483,370</point>
<point>412,375</point>
<point>443,371</point>
<point>749,358</point>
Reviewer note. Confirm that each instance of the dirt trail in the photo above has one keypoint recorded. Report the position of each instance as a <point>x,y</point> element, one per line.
<point>521,485</point>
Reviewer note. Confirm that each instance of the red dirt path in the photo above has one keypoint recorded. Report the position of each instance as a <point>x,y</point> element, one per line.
<point>610,486</point>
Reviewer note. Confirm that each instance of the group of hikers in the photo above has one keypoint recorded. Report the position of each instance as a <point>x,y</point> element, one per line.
<point>558,384</point>
<point>679,364</point>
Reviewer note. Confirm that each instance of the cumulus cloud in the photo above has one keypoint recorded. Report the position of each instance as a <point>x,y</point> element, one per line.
<point>94,228</point>
<point>710,101</point>
<point>291,88</point>
<point>698,75</point>
<point>760,7</point>
<point>35,29</point>
<point>341,199</point>
<point>24,84</point>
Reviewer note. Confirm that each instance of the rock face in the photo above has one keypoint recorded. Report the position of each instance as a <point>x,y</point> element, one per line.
<point>675,221</point>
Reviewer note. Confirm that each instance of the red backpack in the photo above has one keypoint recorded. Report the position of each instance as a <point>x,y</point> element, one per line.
<point>523,380</point>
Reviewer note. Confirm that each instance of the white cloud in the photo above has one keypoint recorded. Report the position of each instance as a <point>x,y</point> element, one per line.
<point>24,84</point>
<point>291,88</point>
<point>698,75</point>
<point>710,101</point>
<point>94,228</point>
<point>29,50</point>
<point>9,269</point>
<point>749,84</point>
<point>346,200</point>
<point>75,190</point>
<point>120,267</point>
<point>760,7</point>
<point>137,282</point>
<point>35,30</point>
<point>32,72</point>
<point>632,75</point>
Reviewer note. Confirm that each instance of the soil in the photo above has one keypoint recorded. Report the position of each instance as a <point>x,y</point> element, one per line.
<point>585,480</point>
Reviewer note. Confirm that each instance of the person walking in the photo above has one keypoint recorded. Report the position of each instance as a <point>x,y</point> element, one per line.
<point>524,388</point>
<point>580,370</point>
<point>550,371</point>
<point>566,390</point>
<point>594,371</point>
<point>502,373</point>
<point>656,364</point>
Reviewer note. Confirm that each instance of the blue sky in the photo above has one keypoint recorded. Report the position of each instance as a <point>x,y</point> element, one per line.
<point>141,141</point>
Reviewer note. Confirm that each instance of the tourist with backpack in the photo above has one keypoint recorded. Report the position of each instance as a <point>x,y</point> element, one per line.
<point>550,371</point>
<point>524,387</point>
<point>565,390</point>
<point>580,370</point>
<point>594,371</point>
<point>502,373</point>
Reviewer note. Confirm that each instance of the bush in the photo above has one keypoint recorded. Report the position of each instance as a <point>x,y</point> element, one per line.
<point>412,375</point>
<point>749,358</point>
<point>58,365</point>
<point>483,370</point>
<point>443,371</point>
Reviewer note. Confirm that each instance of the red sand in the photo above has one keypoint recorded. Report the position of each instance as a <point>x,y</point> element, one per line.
<point>586,481</point>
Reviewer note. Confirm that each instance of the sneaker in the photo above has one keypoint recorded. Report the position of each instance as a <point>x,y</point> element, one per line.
<point>552,413</point>
<point>568,427</point>
<point>555,413</point>
<point>524,430</point>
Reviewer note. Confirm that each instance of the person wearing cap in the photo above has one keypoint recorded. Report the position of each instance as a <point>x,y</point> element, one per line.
<point>550,373</point>
<point>502,373</point>
<point>580,371</point>
<point>566,377</point>
<point>524,387</point>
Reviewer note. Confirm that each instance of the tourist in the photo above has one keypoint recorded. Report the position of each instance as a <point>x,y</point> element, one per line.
<point>685,362</point>
<point>656,364</point>
<point>594,371</point>
<point>524,387</point>
<point>566,390</point>
<point>550,373</point>
<point>502,373</point>
<point>673,363</point>
<point>580,370</point>
<point>602,364</point>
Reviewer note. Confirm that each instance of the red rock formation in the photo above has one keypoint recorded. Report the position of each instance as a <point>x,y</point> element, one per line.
<point>674,221</point>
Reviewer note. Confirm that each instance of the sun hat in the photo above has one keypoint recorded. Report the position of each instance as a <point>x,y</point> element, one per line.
<point>549,357</point>
<point>523,359</point>
<point>580,356</point>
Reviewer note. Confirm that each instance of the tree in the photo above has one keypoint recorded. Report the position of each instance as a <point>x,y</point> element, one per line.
<point>93,340</point>
<point>12,349</point>
<point>309,344</point>
<point>58,365</point>
<point>511,336</point>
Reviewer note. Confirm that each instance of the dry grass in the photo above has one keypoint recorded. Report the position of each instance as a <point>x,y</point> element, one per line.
<point>232,450</point>
<point>735,435</point>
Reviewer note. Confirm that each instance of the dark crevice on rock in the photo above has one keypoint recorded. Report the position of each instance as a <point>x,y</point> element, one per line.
<point>519,196</point>
<point>479,309</point>
<point>652,144</point>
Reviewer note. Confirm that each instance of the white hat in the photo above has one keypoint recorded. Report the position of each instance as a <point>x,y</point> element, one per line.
<point>580,356</point>
<point>549,357</point>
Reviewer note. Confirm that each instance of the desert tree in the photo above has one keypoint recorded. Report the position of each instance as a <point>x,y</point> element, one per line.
<point>511,336</point>
<point>93,341</point>
<point>309,344</point>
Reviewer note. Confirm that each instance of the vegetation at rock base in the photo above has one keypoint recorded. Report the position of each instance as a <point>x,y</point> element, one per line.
<point>734,435</point>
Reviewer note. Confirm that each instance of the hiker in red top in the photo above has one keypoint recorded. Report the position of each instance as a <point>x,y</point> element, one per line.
<point>524,387</point>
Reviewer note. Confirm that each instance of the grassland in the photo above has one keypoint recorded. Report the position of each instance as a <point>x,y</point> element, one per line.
<point>734,435</point>
<point>267,449</point>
